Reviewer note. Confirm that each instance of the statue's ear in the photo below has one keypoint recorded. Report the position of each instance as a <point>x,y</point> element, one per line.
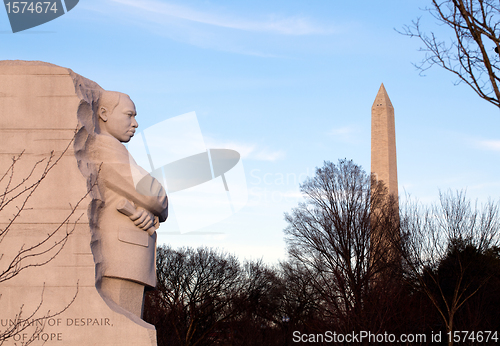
<point>103,114</point>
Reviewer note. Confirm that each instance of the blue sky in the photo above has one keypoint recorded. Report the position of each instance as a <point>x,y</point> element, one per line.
<point>288,84</point>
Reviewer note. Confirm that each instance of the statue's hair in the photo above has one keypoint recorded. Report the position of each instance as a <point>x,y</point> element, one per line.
<point>110,99</point>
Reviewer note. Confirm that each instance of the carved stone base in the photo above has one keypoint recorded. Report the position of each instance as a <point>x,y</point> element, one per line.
<point>38,114</point>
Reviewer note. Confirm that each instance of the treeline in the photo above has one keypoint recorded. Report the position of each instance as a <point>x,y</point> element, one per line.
<point>357,263</point>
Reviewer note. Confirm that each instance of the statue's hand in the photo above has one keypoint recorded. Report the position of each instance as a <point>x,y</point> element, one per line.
<point>143,219</point>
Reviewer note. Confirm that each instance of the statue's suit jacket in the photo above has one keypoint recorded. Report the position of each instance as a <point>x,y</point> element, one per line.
<point>121,249</point>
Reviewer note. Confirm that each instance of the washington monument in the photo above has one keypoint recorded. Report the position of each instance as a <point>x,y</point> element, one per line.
<point>384,168</point>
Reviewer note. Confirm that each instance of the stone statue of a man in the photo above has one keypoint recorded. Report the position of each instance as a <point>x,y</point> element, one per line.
<point>123,242</point>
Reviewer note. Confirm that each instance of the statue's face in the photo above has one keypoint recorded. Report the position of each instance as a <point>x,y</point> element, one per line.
<point>121,123</point>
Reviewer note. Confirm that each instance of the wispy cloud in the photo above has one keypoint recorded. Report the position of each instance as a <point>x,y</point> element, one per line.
<point>489,144</point>
<point>345,133</point>
<point>342,131</point>
<point>268,155</point>
<point>292,25</point>
<point>247,150</point>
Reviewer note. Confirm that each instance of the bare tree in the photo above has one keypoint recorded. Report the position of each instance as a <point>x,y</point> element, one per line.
<point>472,52</point>
<point>196,294</point>
<point>302,303</point>
<point>442,249</point>
<point>259,319</point>
<point>16,192</point>
<point>341,243</point>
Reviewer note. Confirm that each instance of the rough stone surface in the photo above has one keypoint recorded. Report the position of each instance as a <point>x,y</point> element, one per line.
<point>38,113</point>
<point>383,146</point>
